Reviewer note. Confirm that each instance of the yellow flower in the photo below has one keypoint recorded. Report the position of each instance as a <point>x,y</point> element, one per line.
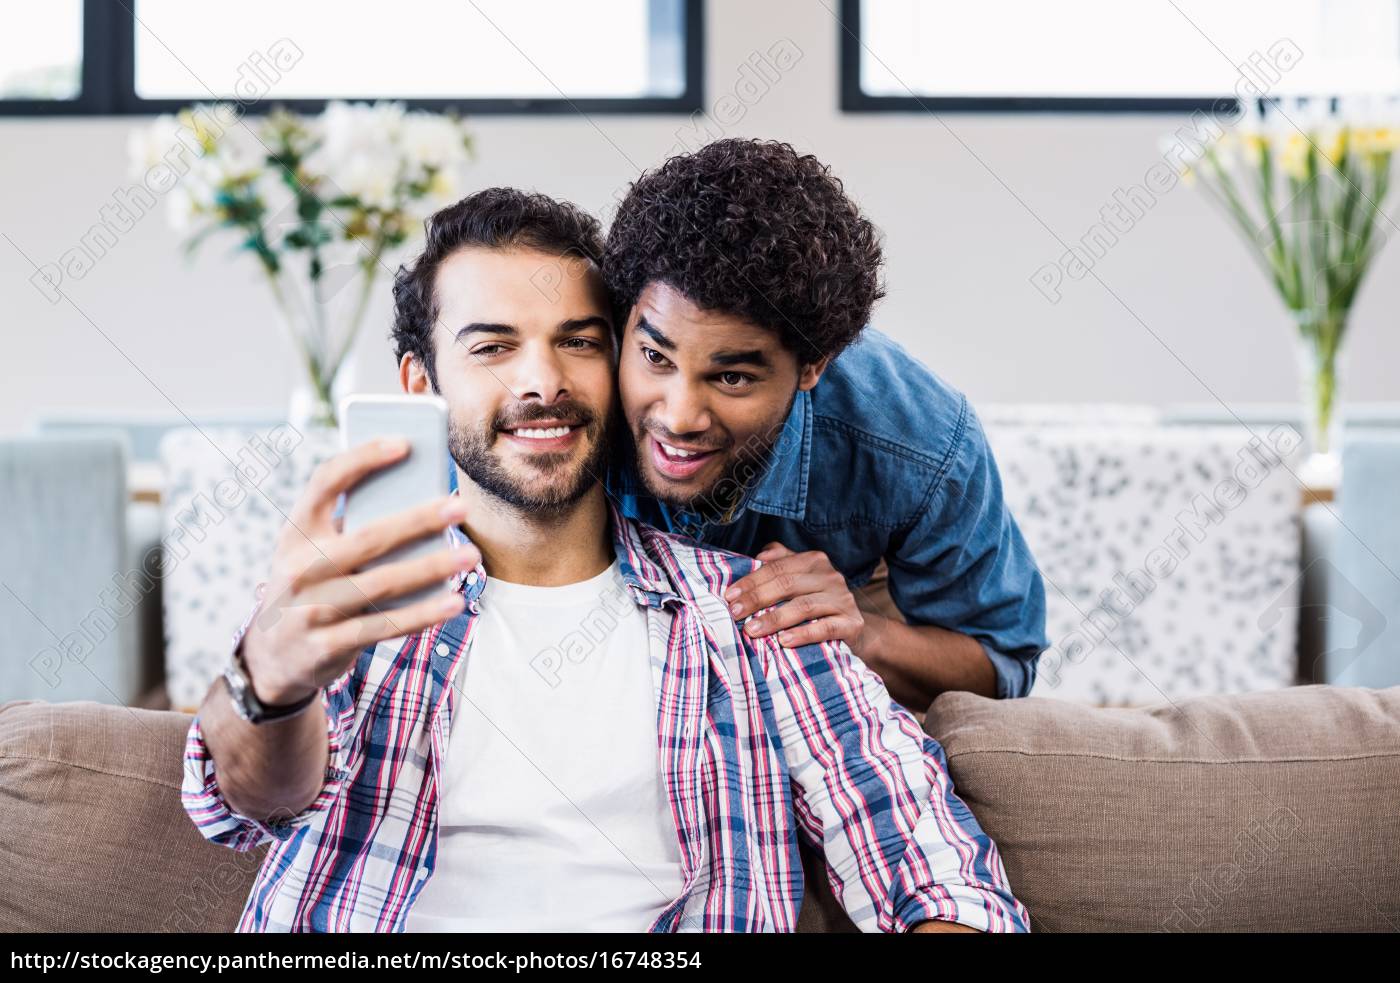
<point>1374,142</point>
<point>197,121</point>
<point>443,185</point>
<point>1334,146</point>
<point>1293,159</point>
<point>1254,144</point>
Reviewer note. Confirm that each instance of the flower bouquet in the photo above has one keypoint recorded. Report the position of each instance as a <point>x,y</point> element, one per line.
<point>1304,183</point>
<point>317,201</point>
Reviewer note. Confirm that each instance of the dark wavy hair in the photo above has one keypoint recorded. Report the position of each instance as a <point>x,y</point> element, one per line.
<point>752,229</point>
<point>497,218</point>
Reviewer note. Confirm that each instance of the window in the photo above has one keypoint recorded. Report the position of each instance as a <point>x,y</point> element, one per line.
<point>476,56</point>
<point>1110,55</point>
<point>46,63</point>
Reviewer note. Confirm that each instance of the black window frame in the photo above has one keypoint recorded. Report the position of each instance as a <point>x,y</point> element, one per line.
<point>109,81</point>
<point>854,99</point>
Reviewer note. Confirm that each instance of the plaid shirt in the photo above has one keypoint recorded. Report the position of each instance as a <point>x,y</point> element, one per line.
<point>757,745</point>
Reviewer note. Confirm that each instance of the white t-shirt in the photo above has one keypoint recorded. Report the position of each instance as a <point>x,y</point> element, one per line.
<point>552,815</point>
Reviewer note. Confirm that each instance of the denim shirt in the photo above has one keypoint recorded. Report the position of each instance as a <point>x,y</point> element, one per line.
<point>884,460</point>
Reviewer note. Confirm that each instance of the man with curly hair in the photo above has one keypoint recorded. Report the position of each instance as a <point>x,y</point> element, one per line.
<point>768,419</point>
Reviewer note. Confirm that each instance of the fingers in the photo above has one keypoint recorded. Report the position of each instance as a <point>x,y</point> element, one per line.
<point>764,574</point>
<point>803,607</point>
<point>357,634</point>
<point>781,580</point>
<point>344,555</point>
<point>338,599</point>
<point>833,629</point>
<point>773,551</point>
<point>340,473</point>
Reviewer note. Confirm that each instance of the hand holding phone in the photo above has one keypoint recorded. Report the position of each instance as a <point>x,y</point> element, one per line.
<point>422,420</point>
<point>332,591</point>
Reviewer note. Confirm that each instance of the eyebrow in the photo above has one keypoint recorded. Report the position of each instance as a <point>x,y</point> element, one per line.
<point>479,327</point>
<point>584,323</point>
<point>566,327</point>
<point>644,325</point>
<point>751,357</point>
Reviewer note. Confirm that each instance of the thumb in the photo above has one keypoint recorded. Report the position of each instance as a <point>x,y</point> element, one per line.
<point>773,551</point>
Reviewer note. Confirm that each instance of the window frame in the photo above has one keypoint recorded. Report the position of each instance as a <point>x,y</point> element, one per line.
<point>854,99</point>
<point>109,81</point>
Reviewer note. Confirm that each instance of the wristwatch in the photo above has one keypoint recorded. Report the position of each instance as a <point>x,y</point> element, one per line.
<point>246,703</point>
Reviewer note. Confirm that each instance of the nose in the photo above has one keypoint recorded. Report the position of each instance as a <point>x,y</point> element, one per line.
<point>682,410</point>
<point>539,375</point>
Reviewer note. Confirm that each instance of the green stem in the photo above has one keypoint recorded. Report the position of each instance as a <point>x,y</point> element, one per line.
<point>320,386</point>
<point>1323,337</point>
<point>357,315</point>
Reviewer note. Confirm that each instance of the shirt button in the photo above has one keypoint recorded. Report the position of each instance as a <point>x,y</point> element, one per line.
<point>442,649</point>
<point>471,577</point>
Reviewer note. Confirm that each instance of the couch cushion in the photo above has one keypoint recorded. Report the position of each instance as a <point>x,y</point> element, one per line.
<point>95,837</point>
<point>1261,812</point>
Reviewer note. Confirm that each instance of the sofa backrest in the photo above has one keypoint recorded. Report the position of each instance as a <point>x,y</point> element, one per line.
<point>95,836</point>
<point>1264,812</point>
<point>1271,811</point>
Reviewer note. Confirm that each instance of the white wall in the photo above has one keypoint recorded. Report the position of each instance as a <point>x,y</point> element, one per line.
<point>971,207</point>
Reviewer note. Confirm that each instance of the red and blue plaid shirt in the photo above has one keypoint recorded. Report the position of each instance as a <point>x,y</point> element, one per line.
<point>757,744</point>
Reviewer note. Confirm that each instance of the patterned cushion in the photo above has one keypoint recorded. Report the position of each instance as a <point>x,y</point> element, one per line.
<point>1170,557</point>
<point>228,491</point>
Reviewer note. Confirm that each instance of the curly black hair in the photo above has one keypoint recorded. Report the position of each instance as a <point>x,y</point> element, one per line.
<point>752,229</point>
<point>497,218</point>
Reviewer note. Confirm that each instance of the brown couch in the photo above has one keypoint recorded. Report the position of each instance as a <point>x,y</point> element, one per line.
<point>1272,811</point>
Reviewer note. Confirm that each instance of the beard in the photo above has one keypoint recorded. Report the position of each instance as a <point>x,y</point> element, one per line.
<point>720,499</point>
<point>552,483</point>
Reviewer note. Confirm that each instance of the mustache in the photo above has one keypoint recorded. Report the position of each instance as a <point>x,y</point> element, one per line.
<point>662,434</point>
<point>567,411</point>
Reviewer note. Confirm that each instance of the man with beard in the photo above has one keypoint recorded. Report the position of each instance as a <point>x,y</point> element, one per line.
<point>768,419</point>
<point>575,735</point>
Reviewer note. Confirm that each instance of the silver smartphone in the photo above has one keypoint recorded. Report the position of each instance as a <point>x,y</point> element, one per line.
<point>419,477</point>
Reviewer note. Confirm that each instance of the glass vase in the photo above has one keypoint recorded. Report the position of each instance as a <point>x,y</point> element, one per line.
<point>322,318</point>
<point>1319,346</point>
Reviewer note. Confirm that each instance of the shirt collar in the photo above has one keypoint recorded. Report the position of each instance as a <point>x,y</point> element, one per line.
<point>648,581</point>
<point>470,582</point>
<point>783,488</point>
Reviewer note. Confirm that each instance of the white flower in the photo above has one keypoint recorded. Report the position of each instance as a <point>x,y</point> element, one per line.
<point>432,140</point>
<point>238,155</point>
<point>178,143</point>
<point>148,146</point>
<point>347,130</point>
<point>181,209</point>
<point>357,150</point>
<point>371,177</point>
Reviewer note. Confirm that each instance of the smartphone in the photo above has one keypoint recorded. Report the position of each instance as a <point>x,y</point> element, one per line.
<point>419,477</point>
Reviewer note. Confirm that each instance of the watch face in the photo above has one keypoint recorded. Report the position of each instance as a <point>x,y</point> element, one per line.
<point>238,693</point>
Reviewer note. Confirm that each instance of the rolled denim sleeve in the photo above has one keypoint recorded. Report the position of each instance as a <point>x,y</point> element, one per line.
<point>963,564</point>
<point>876,799</point>
<point>204,801</point>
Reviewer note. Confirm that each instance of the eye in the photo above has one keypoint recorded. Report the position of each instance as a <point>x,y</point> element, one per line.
<point>580,344</point>
<point>735,380</point>
<point>487,350</point>
<point>653,356</point>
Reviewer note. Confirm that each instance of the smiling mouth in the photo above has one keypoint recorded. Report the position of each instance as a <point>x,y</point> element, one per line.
<point>551,436</point>
<point>678,463</point>
<point>541,433</point>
